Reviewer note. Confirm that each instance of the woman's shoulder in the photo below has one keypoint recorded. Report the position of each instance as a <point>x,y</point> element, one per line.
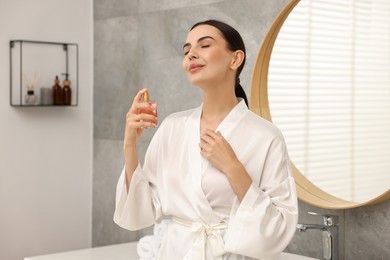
<point>256,123</point>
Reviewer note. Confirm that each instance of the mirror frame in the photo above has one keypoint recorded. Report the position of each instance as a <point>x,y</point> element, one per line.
<point>306,190</point>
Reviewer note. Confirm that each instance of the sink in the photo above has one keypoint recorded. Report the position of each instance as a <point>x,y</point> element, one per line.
<point>290,256</point>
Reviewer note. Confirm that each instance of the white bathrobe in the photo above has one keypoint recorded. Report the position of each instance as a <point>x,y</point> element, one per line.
<point>207,219</point>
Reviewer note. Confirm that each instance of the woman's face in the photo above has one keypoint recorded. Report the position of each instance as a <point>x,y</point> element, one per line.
<point>206,56</point>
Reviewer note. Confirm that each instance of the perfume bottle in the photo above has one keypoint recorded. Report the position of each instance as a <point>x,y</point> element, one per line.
<point>146,98</point>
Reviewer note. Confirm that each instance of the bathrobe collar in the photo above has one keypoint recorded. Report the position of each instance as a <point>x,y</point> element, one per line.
<point>199,163</point>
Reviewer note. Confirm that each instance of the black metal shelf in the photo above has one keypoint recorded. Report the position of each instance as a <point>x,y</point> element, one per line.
<point>47,59</point>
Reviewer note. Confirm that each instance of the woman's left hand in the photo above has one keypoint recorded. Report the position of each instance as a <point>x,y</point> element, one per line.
<point>215,148</point>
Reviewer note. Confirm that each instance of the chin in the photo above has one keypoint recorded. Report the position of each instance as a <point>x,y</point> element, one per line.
<point>197,81</point>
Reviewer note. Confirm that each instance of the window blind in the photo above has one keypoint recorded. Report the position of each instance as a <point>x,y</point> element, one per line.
<point>329,93</point>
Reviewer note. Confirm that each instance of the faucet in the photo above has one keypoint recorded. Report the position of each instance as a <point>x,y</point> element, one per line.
<point>329,235</point>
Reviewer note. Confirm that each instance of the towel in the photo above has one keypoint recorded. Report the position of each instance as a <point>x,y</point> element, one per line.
<point>147,248</point>
<point>159,230</point>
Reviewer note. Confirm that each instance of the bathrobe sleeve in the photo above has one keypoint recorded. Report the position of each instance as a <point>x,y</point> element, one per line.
<point>262,225</point>
<point>140,207</point>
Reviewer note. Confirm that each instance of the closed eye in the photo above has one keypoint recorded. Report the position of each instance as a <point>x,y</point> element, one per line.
<point>203,46</point>
<point>199,41</point>
<point>186,51</point>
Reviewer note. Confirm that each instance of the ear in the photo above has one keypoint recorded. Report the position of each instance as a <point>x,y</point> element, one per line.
<point>238,58</point>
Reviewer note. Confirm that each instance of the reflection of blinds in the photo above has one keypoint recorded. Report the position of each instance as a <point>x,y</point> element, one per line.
<point>338,128</point>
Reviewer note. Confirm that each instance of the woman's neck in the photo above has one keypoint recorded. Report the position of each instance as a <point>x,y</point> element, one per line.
<point>217,104</point>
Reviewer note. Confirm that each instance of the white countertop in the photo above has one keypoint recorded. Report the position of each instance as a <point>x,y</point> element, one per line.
<point>127,251</point>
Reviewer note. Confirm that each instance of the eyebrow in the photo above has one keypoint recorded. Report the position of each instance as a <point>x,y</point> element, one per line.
<point>199,40</point>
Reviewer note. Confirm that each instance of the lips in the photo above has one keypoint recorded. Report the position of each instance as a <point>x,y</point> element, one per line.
<point>195,67</point>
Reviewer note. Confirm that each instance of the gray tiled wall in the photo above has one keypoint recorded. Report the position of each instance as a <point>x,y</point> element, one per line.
<point>138,44</point>
<point>364,233</point>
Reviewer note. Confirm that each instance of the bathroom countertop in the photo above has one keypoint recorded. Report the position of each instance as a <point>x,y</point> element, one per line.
<point>126,251</point>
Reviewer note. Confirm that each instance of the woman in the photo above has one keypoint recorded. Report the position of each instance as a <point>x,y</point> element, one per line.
<point>219,172</point>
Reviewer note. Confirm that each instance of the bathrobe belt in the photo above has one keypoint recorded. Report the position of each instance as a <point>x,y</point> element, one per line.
<point>205,236</point>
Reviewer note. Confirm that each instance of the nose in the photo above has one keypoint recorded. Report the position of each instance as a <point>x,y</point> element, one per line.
<point>192,55</point>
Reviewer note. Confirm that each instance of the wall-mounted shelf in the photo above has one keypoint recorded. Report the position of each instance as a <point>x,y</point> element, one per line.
<point>41,62</point>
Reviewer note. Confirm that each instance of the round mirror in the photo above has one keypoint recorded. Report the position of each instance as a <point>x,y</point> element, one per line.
<point>327,86</point>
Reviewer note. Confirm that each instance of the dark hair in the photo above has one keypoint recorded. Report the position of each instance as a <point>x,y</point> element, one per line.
<point>234,43</point>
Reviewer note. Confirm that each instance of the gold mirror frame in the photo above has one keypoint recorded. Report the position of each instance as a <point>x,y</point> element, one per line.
<point>307,191</point>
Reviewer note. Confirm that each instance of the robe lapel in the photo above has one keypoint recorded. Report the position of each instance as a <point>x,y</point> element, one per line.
<point>228,125</point>
<point>198,164</point>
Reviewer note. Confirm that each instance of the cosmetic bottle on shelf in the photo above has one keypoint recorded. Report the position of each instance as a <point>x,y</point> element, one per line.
<point>30,98</point>
<point>67,91</point>
<point>57,93</point>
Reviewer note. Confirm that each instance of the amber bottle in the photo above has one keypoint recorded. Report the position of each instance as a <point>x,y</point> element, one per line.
<point>67,91</point>
<point>57,93</point>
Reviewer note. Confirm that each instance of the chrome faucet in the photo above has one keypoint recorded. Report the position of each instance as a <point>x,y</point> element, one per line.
<point>329,235</point>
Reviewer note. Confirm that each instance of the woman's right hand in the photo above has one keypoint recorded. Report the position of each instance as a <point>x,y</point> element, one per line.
<point>140,115</point>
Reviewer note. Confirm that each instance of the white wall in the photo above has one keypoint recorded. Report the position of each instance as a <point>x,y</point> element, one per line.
<point>46,152</point>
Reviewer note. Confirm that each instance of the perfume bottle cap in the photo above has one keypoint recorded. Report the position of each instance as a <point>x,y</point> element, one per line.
<point>146,97</point>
